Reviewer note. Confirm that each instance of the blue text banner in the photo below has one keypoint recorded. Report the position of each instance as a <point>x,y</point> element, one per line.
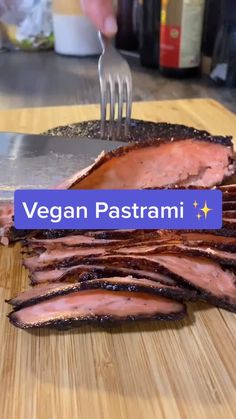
<point>118,209</point>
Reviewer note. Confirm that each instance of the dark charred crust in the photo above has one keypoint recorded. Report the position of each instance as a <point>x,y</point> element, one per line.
<point>18,304</point>
<point>211,254</point>
<point>32,246</point>
<point>119,235</point>
<point>230,223</point>
<point>229,206</point>
<point>224,232</point>
<point>229,196</point>
<point>140,131</point>
<point>222,302</point>
<point>229,214</point>
<point>104,321</point>
<point>25,235</point>
<point>66,262</point>
<point>56,234</point>
<point>218,302</point>
<point>228,188</point>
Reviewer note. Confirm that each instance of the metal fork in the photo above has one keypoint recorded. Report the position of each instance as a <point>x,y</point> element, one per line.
<point>116,88</point>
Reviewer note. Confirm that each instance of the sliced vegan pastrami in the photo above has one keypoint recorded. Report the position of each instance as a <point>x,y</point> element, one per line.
<point>216,283</point>
<point>226,258</point>
<point>231,214</point>
<point>222,251</point>
<point>210,240</point>
<point>229,196</point>
<point>115,283</point>
<point>94,302</point>
<point>228,188</point>
<point>200,163</point>
<point>98,307</point>
<point>87,272</point>
<point>6,221</point>
<point>61,257</point>
<point>229,205</point>
<point>229,223</point>
<point>68,241</point>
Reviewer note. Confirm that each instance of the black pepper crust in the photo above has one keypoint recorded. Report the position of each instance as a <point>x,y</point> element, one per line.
<point>139,131</point>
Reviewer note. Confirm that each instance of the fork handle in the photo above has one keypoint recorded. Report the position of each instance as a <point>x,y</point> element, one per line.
<point>104,40</point>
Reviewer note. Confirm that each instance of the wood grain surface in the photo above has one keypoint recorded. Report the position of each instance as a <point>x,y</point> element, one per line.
<point>183,370</point>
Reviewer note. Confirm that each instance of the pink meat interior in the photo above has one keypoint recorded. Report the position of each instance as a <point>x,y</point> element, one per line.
<point>6,212</point>
<point>202,273</point>
<point>97,302</point>
<point>168,164</point>
<point>52,256</point>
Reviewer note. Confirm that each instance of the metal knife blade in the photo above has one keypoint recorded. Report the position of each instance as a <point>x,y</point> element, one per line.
<point>39,161</point>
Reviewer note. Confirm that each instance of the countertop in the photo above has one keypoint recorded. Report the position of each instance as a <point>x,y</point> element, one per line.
<point>30,79</point>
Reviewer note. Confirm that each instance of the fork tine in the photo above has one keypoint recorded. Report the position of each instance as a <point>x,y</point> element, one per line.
<point>112,108</point>
<point>120,105</point>
<point>103,107</point>
<point>128,83</point>
<point>115,82</point>
<point>128,99</point>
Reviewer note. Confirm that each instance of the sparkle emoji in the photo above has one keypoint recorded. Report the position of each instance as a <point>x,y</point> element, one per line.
<point>205,210</point>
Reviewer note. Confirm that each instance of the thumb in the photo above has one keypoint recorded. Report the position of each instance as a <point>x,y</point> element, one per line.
<point>101,14</point>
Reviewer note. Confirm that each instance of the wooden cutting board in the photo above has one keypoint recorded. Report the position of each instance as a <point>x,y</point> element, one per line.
<point>158,370</point>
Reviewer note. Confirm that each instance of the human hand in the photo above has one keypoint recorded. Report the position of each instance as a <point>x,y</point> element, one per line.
<point>102,15</point>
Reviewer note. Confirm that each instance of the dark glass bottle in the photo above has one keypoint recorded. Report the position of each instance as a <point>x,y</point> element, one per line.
<point>224,58</point>
<point>126,37</point>
<point>150,33</point>
<point>212,22</point>
<point>180,39</point>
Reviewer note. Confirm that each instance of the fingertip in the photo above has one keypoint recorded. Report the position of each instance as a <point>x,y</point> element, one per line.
<point>102,15</point>
<point>110,26</point>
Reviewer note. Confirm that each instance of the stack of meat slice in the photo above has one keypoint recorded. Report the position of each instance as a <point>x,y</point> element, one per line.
<point>229,206</point>
<point>113,276</point>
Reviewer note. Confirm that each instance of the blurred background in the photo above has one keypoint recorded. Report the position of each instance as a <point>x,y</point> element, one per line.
<point>176,48</point>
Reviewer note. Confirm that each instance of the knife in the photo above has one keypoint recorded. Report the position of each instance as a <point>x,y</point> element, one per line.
<point>39,161</point>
